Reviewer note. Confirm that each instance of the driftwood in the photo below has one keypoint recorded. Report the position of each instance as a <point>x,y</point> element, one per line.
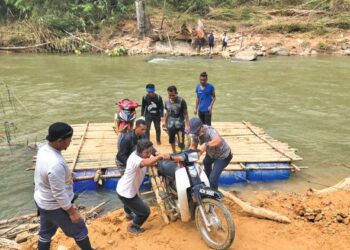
<point>8,244</point>
<point>24,47</point>
<point>95,210</point>
<point>81,40</point>
<point>23,217</point>
<point>256,211</point>
<point>342,185</point>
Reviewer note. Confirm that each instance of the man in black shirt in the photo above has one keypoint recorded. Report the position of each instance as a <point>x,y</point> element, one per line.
<point>128,144</point>
<point>176,118</point>
<point>152,110</point>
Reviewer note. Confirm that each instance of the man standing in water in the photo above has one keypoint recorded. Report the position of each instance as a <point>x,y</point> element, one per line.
<point>152,110</point>
<point>205,99</point>
<point>128,186</point>
<point>53,192</point>
<point>176,118</point>
<point>218,152</point>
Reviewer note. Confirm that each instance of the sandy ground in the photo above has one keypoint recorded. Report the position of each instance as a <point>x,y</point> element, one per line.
<point>330,230</point>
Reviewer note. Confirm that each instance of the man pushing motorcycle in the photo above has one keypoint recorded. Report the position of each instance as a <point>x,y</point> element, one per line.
<point>218,152</point>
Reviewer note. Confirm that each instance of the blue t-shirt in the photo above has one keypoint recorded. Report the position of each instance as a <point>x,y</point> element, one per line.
<point>205,96</point>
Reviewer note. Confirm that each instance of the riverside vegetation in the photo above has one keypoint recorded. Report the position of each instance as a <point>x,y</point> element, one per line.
<point>281,27</point>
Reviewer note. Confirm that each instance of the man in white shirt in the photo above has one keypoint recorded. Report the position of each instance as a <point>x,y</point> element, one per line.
<point>129,184</point>
<point>53,192</point>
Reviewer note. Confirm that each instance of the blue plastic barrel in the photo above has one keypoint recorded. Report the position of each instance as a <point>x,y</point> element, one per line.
<point>228,178</point>
<point>267,175</point>
<point>84,185</point>
<point>111,183</point>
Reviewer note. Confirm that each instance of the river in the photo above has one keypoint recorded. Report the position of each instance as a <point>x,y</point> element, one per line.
<point>303,101</point>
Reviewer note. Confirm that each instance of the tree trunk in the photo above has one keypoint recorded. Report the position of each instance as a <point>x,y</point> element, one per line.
<point>143,23</point>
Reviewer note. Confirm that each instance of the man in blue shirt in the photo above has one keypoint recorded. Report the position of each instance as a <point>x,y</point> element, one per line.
<point>205,99</point>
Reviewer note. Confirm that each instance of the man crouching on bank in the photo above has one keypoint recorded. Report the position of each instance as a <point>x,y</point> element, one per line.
<point>53,192</point>
<point>128,186</point>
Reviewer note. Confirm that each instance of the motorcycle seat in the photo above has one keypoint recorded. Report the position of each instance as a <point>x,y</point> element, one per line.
<point>167,168</point>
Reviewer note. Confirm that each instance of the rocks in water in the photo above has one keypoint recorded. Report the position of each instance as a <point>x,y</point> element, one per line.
<point>279,51</point>
<point>226,54</point>
<point>345,52</point>
<point>246,55</point>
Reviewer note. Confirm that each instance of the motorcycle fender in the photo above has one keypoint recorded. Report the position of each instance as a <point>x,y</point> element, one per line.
<point>182,184</point>
<point>204,179</point>
<point>122,126</point>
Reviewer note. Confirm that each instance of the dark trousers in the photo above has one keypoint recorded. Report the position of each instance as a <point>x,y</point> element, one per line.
<point>138,207</point>
<point>205,117</point>
<point>214,172</point>
<point>51,220</point>
<point>156,122</point>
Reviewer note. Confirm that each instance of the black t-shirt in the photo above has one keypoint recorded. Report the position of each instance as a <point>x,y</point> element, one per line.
<point>176,109</point>
<point>152,106</point>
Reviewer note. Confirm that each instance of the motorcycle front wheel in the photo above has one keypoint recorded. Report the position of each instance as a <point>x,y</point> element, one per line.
<point>222,229</point>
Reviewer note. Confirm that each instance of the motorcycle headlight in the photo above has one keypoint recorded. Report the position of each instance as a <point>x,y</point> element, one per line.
<point>192,170</point>
<point>193,157</point>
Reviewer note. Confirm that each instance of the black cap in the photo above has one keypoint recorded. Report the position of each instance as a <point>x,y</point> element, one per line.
<point>59,130</point>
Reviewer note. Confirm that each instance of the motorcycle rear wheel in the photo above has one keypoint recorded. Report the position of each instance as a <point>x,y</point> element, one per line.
<point>222,232</point>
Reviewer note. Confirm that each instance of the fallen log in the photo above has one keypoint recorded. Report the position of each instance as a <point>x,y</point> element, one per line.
<point>258,212</point>
<point>342,185</point>
<point>24,47</point>
<point>8,244</point>
<point>22,217</point>
<point>96,209</point>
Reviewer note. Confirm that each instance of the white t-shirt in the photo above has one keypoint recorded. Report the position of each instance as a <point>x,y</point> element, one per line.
<point>130,183</point>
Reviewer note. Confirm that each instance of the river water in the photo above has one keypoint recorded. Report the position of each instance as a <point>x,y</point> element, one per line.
<point>304,101</point>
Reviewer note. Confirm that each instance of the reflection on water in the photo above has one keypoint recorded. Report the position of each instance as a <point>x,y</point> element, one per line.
<point>301,101</point>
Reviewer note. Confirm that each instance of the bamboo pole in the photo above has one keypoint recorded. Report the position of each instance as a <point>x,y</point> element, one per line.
<point>156,184</point>
<point>256,211</point>
<point>79,148</point>
<point>278,150</point>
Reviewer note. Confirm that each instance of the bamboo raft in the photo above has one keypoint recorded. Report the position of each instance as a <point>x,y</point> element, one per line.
<point>94,147</point>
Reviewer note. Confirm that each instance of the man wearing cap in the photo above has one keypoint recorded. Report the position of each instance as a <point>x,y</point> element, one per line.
<point>53,193</point>
<point>218,152</point>
<point>205,99</point>
<point>152,110</point>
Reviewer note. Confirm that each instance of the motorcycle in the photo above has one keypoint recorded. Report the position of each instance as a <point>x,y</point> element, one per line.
<point>125,118</point>
<point>188,196</point>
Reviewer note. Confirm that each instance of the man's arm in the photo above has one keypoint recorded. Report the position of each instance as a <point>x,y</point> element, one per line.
<point>57,177</point>
<point>166,118</point>
<point>196,106</point>
<point>185,112</point>
<point>124,149</point>
<point>143,109</point>
<point>212,101</point>
<point>150,162</point>
<point>161,107</point>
